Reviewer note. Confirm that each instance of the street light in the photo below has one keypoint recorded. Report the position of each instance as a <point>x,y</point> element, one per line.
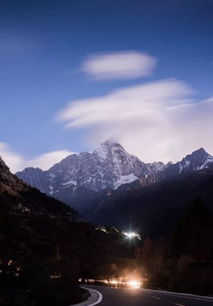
<point>132,235</point>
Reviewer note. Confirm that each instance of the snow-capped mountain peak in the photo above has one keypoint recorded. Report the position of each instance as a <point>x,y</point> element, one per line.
<point>108,166</point>
<point>195,161</point>
<point>198,160</point>
<point>107,148</point>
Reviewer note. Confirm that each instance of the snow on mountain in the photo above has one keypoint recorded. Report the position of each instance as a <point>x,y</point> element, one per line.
<point>198,160</point>
<point>125,179</point>
<point>108,167</point>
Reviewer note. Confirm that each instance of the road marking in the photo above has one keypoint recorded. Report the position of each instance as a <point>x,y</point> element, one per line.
<point>185,295</point>
<point>156,297</point>
<point>100,296</point>
<point>178,304</point>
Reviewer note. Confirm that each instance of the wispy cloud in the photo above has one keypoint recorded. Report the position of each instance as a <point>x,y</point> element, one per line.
<point>156,121</point>
<point>16,162</point>
<point>119,65</point>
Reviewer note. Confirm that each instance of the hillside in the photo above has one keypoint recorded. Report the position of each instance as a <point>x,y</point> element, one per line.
<point>15,195</point>
<point>175,220</point>
<point>146,208</point>
<point>45,248</point>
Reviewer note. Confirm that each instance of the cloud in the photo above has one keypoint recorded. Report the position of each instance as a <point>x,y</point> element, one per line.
<point>11,158</point>
<point>155,121</point>
<point>44,161</point>
<point>119,65</point>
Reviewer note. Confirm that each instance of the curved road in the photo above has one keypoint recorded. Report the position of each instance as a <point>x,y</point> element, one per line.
<point>145,297</point>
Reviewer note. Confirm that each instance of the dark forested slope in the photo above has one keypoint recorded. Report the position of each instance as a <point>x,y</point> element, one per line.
<point>45,248</point>
<point>154,209</point>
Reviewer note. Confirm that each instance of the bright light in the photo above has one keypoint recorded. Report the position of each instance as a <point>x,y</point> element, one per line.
<point>113,282</point>
<point>131,235</point>
<point>134,284</point>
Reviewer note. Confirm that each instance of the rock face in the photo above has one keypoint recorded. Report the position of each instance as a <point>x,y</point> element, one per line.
<point>77,178</point>
<point>9,183</point>
<point>34,177</point>
<point>196,161</point>
<point>108,166</point>
<point>80,176</point>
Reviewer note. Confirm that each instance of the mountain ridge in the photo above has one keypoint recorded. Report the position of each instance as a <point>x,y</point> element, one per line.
<point>79,177</point>
<point>16,195</point>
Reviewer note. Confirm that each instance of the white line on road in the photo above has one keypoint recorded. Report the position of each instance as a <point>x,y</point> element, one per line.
<point>180,294</point>
<point>156,297</point>
<point>100,296</point>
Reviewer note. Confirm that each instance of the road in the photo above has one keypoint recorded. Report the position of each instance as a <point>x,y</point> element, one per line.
<point>143,297</point>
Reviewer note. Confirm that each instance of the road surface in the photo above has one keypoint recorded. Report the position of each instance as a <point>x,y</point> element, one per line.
<point>143,297</point>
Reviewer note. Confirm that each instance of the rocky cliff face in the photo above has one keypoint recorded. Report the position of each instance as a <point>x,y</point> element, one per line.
<point>196,161</point>
<point>77,178</point>
<point>108,166</point>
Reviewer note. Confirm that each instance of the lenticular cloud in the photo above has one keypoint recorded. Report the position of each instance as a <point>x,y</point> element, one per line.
<point>119,65</point>
<point>156,120</point>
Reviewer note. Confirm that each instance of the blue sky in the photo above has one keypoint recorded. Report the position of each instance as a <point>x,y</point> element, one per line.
<point>44,45</point>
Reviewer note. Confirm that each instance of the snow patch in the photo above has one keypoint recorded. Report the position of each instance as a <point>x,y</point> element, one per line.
<point>157,166</point>
<point>51,189</point>
<point>69,183</point>
<point>208,159</point>
<point>125,179</point>
<point>182,165</point>
<point>101,151</point>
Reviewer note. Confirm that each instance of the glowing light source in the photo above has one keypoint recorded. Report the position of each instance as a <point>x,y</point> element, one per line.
<point>131,235</point>
<point>134,284</point>
<point>114,282</point>
<point>56,275</point>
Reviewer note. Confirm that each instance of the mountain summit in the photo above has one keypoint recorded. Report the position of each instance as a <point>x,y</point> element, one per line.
<point>198,160</point>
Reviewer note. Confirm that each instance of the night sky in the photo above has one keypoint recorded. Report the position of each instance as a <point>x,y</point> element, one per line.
<point>56,97</point>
